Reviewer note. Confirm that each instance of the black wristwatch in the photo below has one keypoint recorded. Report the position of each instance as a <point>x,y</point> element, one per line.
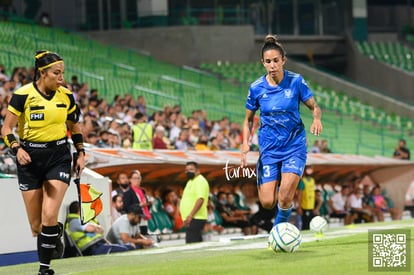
<point>15,149</point>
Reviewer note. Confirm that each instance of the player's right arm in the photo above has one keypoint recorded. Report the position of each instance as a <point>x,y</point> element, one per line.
<point>247,135</point>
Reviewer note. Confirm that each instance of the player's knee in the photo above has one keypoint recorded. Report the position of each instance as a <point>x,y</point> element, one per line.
<point>268,203</point>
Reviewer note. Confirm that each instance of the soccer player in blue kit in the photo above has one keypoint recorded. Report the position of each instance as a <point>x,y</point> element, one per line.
<point>282,136</point>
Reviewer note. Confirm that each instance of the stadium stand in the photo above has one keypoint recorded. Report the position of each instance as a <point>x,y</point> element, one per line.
<point>221,91</point>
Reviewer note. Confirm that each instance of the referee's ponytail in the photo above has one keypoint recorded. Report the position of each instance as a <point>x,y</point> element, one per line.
<point>271,42</point>
<point>43,60</point>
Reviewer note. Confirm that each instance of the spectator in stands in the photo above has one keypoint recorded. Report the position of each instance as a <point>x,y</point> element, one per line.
<point>223,140</point>
<point>368,201</point>
<point>104,139</point>
<point>193,204</point>
<point>194,135</point>
<point>141,105</point>
<point>125,230</point>
<point>171,203</point>
<point>211,225</point>
<point>339,205</point>
<point>384,204</point>
<point>316,148</point>
<point>359,210</point>
<point>318,203</point>
<point>306,197</point>
<point>88,237</point>
<point>324,147</point>
<point>402,152</point>
<point>282,136</point>
<point>141,133</point>
<point>182,142</point>
<point>158,139</point>
<point>230,217</point>
<point>214,145</point>
<point>92,138</point>
<point>137,195</point>
<point>117,207</point>
<point>202,143</point>
<point>6,91</point>
<point>122,182</point>
<point>74,84</point>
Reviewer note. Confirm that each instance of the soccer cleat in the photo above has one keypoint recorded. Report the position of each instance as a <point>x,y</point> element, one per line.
<point>46,272</point>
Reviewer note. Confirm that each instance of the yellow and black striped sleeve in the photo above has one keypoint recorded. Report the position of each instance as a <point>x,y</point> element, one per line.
<point>73,110</point>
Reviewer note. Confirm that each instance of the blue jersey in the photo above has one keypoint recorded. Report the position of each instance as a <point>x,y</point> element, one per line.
<point>281,131</point>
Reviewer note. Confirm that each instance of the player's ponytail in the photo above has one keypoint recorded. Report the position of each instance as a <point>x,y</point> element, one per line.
<point>271,42</point>
<point>43,60</point>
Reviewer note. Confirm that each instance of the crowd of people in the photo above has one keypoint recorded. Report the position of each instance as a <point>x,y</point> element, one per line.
<point>351,202</point>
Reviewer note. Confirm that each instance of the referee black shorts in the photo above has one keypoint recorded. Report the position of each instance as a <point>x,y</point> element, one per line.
<point>50,161</point>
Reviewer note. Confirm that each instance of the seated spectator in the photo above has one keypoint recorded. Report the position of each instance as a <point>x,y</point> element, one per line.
<point>339,205</point>
<point>158,139</point>
<point>359,209</point>
<point>316,147</point>
<point>382,204</point>
<point>117,206</point>
<point>214,145</point>
<point>182,142</point>
<point>211,225</point>
<point>88,237</point>
<point>171,203</point>
<point>125,230</point>
<point>368,201</point>
<point>202,143</point>
<point>231,218</point>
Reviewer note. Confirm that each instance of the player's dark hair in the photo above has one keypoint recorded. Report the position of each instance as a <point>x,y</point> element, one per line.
<point>271,43</point>
<point>115,197</point>
<point>44,58</point>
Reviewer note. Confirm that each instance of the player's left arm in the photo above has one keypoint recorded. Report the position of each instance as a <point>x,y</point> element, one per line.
<point>75,127</point>
<point>316,127</point>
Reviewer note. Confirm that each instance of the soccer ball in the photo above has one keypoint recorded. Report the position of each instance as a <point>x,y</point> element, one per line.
<point>318,224</point>
<point>285,237</point>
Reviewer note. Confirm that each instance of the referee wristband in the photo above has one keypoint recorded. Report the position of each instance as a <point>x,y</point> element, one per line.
<point>77,139</point>
<point>9,140</point>
<point>15,149</point>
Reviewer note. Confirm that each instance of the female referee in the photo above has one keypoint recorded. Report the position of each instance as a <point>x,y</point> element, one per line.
<point>282,135</point>
<point>43,111</point>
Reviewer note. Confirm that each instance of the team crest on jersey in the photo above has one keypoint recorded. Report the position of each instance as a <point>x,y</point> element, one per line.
<point>37,117</point>
<point>288,93</point>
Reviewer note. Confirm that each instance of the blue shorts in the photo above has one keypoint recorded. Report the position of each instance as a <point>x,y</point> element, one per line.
<point>267,172</point>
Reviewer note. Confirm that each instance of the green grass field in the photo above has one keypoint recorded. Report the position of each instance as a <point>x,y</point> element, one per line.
<point>343,250</point>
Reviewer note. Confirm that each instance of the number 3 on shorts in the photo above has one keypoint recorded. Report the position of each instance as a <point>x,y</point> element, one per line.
<point>266,171</point>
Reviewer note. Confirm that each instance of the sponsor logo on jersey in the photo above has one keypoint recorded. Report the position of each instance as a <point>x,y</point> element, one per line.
<point>40,116</point>
<point>265,96</point>
<point>288,93</point>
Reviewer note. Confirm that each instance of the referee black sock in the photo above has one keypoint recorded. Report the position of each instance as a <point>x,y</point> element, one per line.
<point>46,243</point>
